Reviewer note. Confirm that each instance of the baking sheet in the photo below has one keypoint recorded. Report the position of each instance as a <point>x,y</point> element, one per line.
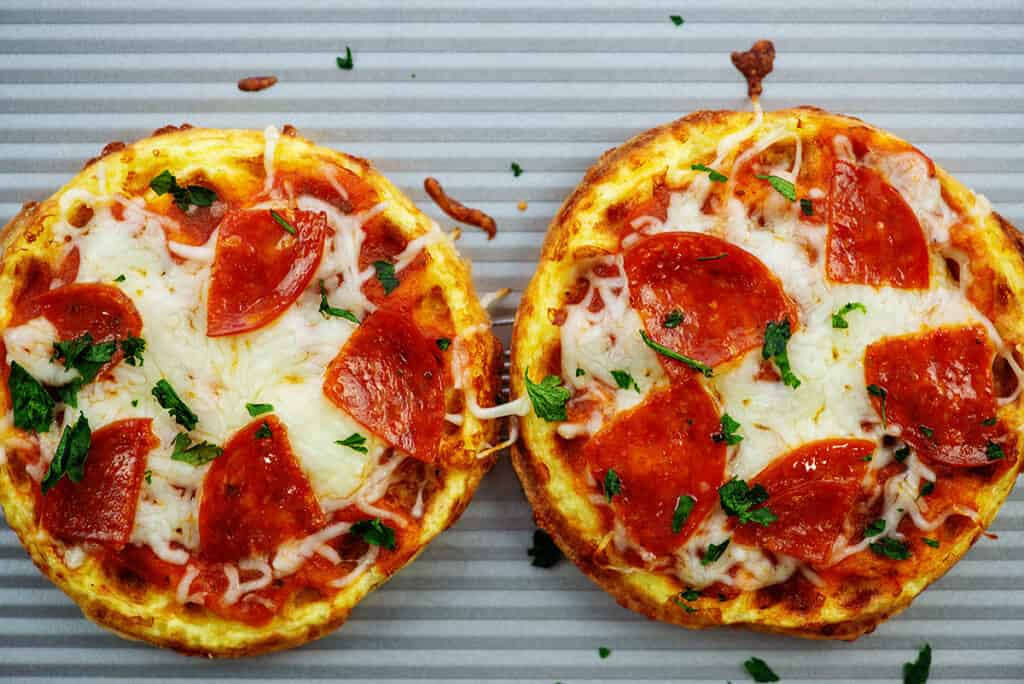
<point>459,90</point>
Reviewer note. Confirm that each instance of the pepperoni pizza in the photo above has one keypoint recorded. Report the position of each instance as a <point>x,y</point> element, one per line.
<point>774,368</point>
<point>246,380</point>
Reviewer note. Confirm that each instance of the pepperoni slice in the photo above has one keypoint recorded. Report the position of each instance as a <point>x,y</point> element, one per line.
<point>358,195</point>
<point>726,295</point>
<point>259,268</point>
<point>661,450</point>
<point>389,377</point>
<point>255,496</point>
<point>939,392</point>
<point>874,237</point>
<point>811,489</point>
<point>195,226</point>
<point>101,508</point>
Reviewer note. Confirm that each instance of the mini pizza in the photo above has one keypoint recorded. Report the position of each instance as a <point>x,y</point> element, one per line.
<point>246,382</point>
<point>774,367</point>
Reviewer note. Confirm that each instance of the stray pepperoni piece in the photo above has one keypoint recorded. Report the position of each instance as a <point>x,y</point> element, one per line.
<point>103,311</point>
<point>811,489</point>
<point>101,508</point>
<point>874,237</point>
<point>661,450</point>
<point>939,392</point>
<point>260,268</point>
<point>255,496</point>
<point>390,378</point>
<point>68,269</point>
<point>726,295</point>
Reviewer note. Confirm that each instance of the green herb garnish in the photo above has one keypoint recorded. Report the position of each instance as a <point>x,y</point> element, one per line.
<point>673,319</point>
<point>69,458</point>
<point>258,409</point>
<point>443,343</point>
<point>612,484</point>
<point>283,222</point>
<point>194,454</point>
<point>839,317</point>
<point>346,63</point>
<point>33,406</point>
<point>548,397</point>
<point>714,552</point>
<point>517,170</point>
<point>705,370</point>
<point>739,500</point>
<point>759,670</point>
<point>386,275</point>
<point>624,380</point>
<point>168,399</point>
<point>776,337</point>
<point>781,185</point>
<point>728,432</point>
<point>882,394</point>
<point>715,176</point>
<point>196,195</point>
<point>684,506</point>
<point>355,442</point>
<point>917,672</point>
<point>375,532</point>
<point>326,310</point>
<point>887,547</point>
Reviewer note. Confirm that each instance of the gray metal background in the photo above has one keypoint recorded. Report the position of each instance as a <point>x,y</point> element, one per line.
<point>549,84</point>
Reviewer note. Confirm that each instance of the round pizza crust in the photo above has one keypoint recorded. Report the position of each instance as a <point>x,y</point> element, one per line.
<point>581,230</point>
<point>234,159</point>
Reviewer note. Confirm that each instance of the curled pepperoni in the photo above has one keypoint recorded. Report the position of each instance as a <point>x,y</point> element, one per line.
<point>661,450</point>
<point>389,377</point>
<point>101,508</point>
<point>255,496</point>
<point>726,296</point>
<point>939,392</point>
<point>874,237</point>
<point>811,489</point>
<point>260,268</point>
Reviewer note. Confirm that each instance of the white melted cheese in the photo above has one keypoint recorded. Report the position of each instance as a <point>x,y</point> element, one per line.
<point>832,400</point>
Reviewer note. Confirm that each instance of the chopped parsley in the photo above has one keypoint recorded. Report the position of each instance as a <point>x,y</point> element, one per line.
<point>133,348</point>
<point>612,484</point>
<point>346,63</point>
<point>839,317</point>
<point>85,357</point>
<point>386,275</point>
<point>283,222</point>
<point>781,185</point>
<point>517,170</point>
<point>866,459</point>
<point>690,594</point>
<point>882,394</point>
<point>917,672</point>
<point>927,488</point>
<point>684,506</point>
<point>443,343</point>
<point>776,337</point>
<point>887,547</point>
<point>544,552</point>
<point>934,543</point>
<point>759,670</point>
<point>714,257</point>
<point>33,406</point>
<point>624,380</point>
<point>264,431</point>
<point>604,651</point>
<point>69,458</point>
<point>119,279</point>
<point>994,452</point>
<point>989,422</point>
<point>673,319</point>
<point>326,310</point>
<point>148,476</point>
<point>197,195</point>
<point>548,397</point>
<point>714,552</point>
<point>715,176</point>
<point>195,454</point>
<point>355,442</point>
<point>876,528</point>
<point>258,409</point>
<point>739,500</point>
<point>705,370</point>
<point>580,372</point>
<point>677,20</point>
<point>926,431</point>
<point>902,453</point>
<point>806,206</point>
<point>728,432</point>
<point>375,532</point>
<point>135,402</point>
<point>168,399</point>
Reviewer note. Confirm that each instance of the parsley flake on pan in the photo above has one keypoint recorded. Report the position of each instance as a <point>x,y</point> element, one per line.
<point>704,369</point>
<point>196,195</point>
<point>624,380</point>
<point>677,20</point>
<point>517,170</point>
<point>258,409</point>
<point>69,458</point>
<point>776,337</point>
<point>917,672</point>
<point>548,397</point>
<point>759,670</point>
<point>326,310</point>
<point>544,552</point>
<point>739,500</point>
<point>728,432</point>
<point>604,652</point>
<point>194,454</point>
<point>715,176</point>
<point>386,275</point>
<point>375,532</point>
<point>684,506</point>
<point>612,484</point>
<point>169,399</point>
<point>346,63</point>
<point>781,185</point>
<point>355,442</point>
<point>839,317</point>
<point>33,406</point>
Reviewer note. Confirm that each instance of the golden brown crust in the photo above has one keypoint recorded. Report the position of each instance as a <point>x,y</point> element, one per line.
<point>580,230</point>
<point>234,159</point>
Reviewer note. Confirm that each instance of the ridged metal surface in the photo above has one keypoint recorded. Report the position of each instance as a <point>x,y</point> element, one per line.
<point>460,91</point>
